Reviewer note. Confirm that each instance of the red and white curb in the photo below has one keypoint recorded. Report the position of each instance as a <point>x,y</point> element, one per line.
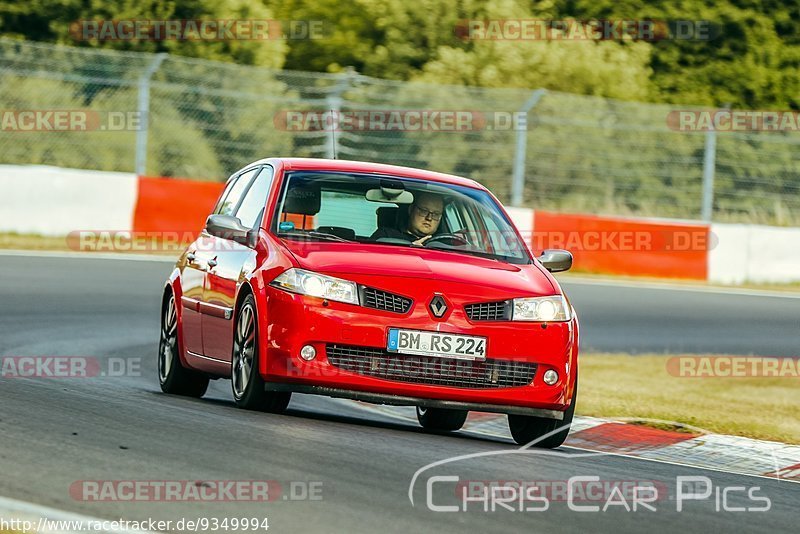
<point>693,447</point>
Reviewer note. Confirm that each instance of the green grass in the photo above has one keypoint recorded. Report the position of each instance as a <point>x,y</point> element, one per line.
<point>14,241</point>
<point>621,385</point>
<point>32,242</point>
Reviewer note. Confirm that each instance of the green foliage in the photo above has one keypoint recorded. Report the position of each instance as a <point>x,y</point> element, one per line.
<point>383,38</point>
<point>752,60</point>
<point>604,155</point>
<point>183,150</point>
<point>230,122</point>
<point>55,21</point>
<point>77,149</point>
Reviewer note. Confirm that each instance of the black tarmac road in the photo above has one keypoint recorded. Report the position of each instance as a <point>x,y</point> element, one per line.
<point>637,318</point>
<point>55,433</point>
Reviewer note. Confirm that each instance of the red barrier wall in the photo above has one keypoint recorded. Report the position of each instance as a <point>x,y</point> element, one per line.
<point>174,205</point>
<point>611,245</point>
<point>634,247</point>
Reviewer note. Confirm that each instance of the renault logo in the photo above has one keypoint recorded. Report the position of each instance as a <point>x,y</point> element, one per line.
<point>438,306</point>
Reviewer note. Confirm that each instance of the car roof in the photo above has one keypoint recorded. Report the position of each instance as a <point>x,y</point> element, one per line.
<point>342,165</point>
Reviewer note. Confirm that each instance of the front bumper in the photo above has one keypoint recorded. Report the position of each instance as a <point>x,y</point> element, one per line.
<point>292,321</point>
<point>398,400</point>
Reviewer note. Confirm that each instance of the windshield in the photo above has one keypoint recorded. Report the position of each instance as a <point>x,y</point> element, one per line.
<point>393,211</point>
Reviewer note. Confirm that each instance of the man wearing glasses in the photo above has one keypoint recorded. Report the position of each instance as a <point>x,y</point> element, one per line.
<point>424,216</point>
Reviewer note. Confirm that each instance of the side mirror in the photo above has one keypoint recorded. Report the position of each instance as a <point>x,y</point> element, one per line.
<point>556,260</point>
<point>230,227</point>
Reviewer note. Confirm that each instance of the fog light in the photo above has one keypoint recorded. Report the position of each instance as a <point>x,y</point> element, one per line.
<point>308,353</point>
<point>550,377</point>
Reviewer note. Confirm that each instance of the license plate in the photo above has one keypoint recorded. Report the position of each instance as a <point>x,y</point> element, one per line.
<point>437,344</point>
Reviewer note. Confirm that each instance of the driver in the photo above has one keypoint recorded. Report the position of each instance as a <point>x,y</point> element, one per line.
<point>424,216</point>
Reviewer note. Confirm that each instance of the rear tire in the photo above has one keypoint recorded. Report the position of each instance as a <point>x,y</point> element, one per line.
<point>526,428</point>
<point>173,377</point>
<point>441,419</point>
<point>246,382</point>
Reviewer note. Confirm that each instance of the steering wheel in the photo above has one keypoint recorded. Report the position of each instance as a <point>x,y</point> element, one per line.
<point>455,239</point>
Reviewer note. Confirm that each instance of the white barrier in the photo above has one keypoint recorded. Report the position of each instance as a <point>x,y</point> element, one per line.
<point>523,220</point>
<point>750,253</point>
<point>38,199</point>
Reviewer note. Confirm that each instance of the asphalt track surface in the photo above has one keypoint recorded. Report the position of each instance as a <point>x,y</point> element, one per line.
<point>54,432</point>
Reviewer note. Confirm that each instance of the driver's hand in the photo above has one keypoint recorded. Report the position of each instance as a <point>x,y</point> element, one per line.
<point>421,240</point>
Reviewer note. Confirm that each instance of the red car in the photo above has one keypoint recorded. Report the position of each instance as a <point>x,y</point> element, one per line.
<point>377,283</point>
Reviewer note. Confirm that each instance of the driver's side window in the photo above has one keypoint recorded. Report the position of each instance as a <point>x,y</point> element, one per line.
<point>453,218</point>
<point>459,218</point>
<point>233,193</point>
<point>251,208</point>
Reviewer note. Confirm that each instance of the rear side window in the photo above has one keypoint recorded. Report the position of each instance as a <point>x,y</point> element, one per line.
<point>350,210</point>
<point>233,193</point>
<point>255,200</point>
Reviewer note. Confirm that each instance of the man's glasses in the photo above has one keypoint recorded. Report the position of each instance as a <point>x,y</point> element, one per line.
<point>434,215</point>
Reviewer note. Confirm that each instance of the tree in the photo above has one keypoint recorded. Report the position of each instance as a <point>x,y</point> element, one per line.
<point>60,21</point>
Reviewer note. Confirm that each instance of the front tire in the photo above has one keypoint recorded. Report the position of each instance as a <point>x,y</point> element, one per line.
<point>173,377</point>
<point>246,382</point>
<point>527,428</point>
<point>441,419</point>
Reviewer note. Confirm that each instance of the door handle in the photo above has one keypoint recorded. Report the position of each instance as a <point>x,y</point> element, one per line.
<point>212,263</point>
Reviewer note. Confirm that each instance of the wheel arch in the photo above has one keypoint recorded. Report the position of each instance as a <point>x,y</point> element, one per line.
<point>165,294</point>
<point>246,288</point>
<point>172,287</point>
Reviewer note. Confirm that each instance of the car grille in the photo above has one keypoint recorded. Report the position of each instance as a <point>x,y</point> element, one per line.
<point>383,300</point>
<point>378,363</point>
<point>489,311</point>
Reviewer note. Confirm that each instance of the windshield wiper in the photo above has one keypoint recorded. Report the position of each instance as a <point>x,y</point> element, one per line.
<point>481,254</point>
<point>487,255</point>
<point>317,235</point>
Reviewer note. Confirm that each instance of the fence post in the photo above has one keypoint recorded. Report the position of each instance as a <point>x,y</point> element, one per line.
<point>144,113</point>
<point>334,102</point>
<point>518,176</point>
<point>709,162</point>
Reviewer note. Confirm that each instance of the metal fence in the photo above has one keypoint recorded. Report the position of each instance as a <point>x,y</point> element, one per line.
<point>203,119</point>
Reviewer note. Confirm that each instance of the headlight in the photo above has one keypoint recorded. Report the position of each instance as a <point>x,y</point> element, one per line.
<point>317,285</point>
<point>541,309</point>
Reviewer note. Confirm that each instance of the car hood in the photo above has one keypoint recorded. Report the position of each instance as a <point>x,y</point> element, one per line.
<point>355,261</point>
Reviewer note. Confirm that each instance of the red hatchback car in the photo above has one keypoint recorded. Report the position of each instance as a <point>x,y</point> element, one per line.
<point>377,283</point>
